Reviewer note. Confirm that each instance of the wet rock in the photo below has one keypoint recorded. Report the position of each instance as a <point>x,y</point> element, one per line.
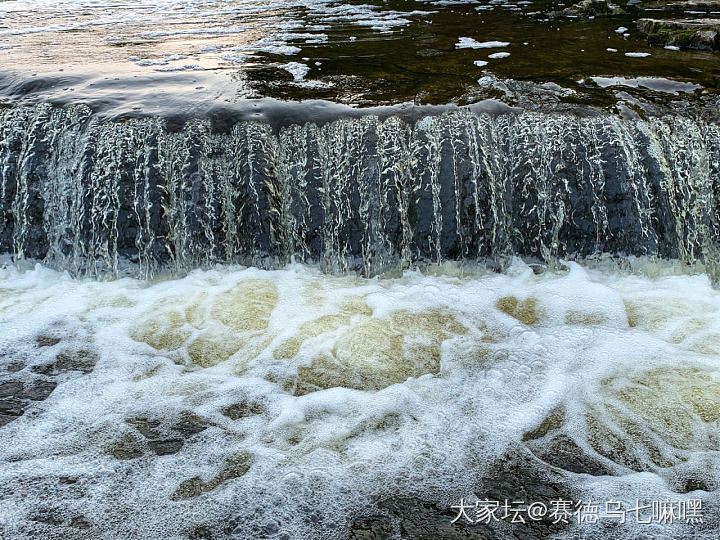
<point>242,410</point>
<point>695,484</point>
<point>520,476</point>
<point>168,438</point>
<point>564,453</point>
<point>188,489</point>
<point>166,447</point>
<point>234,467</point>
<point>125,449</point>
<point>702,34</point>
<point>592,8</point>
<point>80,522</point>
<point>190,424</point>
<point>80,360</point>
<point>553,421</point>
<point>12,406</point>
<point>619,449</point>
<point>201,532</point>
<point>49,516</point>
<point>46,341</point>
<point>14,367</point>
<point>147,428</point>
<point>517,476</point>
<point>39,390</point>
<point>165,438</point>
<point>408,517</point>
<point>6,419</point>
<point>11,389</point>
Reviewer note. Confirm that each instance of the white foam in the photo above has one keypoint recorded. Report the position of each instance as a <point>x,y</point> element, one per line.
<point>492,355</point>
<point>659,84</point>
<point>498,55</point>
<point>296,69</point>
<point>470,43</point>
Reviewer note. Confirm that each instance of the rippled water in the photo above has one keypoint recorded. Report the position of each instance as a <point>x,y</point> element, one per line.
<point>250,401</point>
<point>357,53</point>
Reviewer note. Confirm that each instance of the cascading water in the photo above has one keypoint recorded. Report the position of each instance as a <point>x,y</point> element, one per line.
<point>365,194</point>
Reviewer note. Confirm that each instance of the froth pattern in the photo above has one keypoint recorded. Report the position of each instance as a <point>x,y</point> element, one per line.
<point>252,403</point>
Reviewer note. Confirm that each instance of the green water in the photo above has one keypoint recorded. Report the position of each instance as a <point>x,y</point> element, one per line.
<point>420,62</point>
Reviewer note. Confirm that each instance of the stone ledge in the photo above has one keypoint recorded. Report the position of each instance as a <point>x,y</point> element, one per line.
<point>700,34</point>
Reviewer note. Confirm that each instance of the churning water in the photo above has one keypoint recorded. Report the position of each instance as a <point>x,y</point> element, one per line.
<point>253,403</point>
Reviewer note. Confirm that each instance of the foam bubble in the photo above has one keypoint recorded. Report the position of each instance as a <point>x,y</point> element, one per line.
<point>173,405</point>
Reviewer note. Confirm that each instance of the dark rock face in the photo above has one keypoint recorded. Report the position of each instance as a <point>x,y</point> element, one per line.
<point>161,437</point>
<point>10,389</point>
<point>10,409</point>
<point>80,360</point>
<point>564,453</point>
<point>28,377</point>
<point>16,396</point>
<point>243,409</point>
<point>702,34</point>
<point>356,194</point>
<point>515,477</point>
<point>234,467</point>
<point>47,341</point>
<point>414,518</point>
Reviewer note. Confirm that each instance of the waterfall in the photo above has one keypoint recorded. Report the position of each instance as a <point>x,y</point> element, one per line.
<point>95,196</point>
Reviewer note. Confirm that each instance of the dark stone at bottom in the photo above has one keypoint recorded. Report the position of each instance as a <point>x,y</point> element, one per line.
<point>11,389</point>
<point>11,406</point>
<point>81,360</point>
<point>40,390</point>
<point>564,453</point>
<point>201,533</point>
<point>14,367</point>
<point>416,519</point>
<point>47,341</point>
<point>80,522</point>
<point>6,419</point>
<point>516,477</point>
<point>166,447</point>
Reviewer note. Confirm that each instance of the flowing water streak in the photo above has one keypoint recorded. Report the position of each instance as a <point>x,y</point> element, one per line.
<point>363,194</point>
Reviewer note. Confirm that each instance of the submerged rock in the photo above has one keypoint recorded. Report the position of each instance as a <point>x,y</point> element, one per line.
<point>516,476</point>
<point>16,396</point>
<point>701,34</point>
<point>71,360</point>
<point>592,8</point>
